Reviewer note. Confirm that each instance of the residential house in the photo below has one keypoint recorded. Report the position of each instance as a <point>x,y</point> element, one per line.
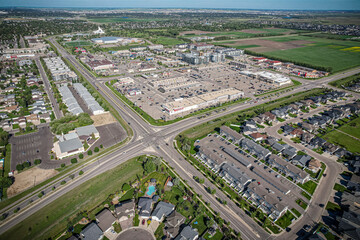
<point>33,118</point>
<point>307,137</point>
<point>45,116</point>
<point>249,126</point>
<point>329,147</point>
<point>12,108</point>
<point>287,129</point>
<point>234,176</point>
<point>145,207</point>
<point>301,160</point>
<point>3,115</point>
<point>258,136</point>
<point>237,157</point>
<point>289,151</point>
<point>162,209</point>
<point>231,134</point>
<point>297,132</point>
<point>269,117</point>
<point>349,224</point>
<point>314,165</point>
<point>208,157</point>
<point>173,223</point>
<point>278,147</point>
<point>317,142</point>
<point>188,233</point>
<point>125,210</point>
<point>280,113</point>
<point>341,153</point>
<point>254,148</point>
<point>91,232</point>
<point>105,220</point>
<point>308,127</point>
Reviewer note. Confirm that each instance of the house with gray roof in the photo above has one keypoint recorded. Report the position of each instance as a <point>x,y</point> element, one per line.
<point>234,176</point>
<point>188,233</point>
<point>254,148</point>
<point>145,207</point>
<point>162,210</point>
<point>173,223</point>
<point>289,151</point>
<point>301,160</point>
<point>125,210</point>
<point>91,232</point>
<point>209,158</point>
<point>231,134</point>
<point>237,157</point>
<point>105,219</point>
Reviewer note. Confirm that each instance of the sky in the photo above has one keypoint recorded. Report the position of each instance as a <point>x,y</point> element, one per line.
<point>239,4</point>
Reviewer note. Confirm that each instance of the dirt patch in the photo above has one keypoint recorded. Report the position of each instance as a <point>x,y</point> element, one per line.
<point>268,45</point>
<point>29,178</point>
<point>195,32</point>
<point>103,119</point>
<point>252,31</point>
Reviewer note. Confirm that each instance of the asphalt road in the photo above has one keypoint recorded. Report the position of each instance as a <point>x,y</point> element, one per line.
<point>158,140</point>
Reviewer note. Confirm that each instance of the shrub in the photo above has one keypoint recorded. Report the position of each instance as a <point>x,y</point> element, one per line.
<point>19,167</point>
<point>81,156</point>
<point>63,182</point>
<point>63,165</point>
<point>40,194</point>
<point>96,149</point>
<point>16,210</point>
<point>101,146</point>
<point>26,164</point>
<point>73,160</point>
<point>125,187</point>
<point>81,172</point>
<point>37,161</point>
<point>89,152</point>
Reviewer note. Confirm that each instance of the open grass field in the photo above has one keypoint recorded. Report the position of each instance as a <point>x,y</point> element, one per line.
<point>78,43</point>
<point>167,41</point>
<point>343,140</point>
<point>53,218</point>
<point>309,186</point>
<point>352,128</point>
<point>247,33</point>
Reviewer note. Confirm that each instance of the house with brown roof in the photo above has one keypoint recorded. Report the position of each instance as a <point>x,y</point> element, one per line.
<point>297,132</point>
<point>12,108</point>
<point>33,118</point>
<point>258,136</point>
<point>314,165</point>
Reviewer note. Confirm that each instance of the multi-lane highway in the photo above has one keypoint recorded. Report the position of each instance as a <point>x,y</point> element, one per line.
<point>158,140</point>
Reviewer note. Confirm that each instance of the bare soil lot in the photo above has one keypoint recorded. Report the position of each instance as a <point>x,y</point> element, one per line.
<point>29,178</point>
<point>268,45</point>
<point>103,119</point>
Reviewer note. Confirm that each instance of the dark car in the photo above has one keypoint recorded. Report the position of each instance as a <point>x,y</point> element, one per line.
<point>143,222</point>
<point>288,229</point>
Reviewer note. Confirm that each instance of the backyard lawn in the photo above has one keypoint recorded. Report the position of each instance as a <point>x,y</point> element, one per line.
<point>285,220</point>
<point>309,186</point>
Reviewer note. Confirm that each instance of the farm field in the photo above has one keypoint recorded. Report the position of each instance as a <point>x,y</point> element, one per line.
<point>247,33</point>
<point>317,52</point>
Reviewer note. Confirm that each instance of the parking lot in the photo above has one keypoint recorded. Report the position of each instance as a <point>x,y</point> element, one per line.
<point>265,180</point>
<point>199,80</point>
<point>31,146</point>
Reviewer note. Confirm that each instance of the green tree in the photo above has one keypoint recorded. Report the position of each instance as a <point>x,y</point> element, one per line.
<point>149,166</point>
<point>5,182</point>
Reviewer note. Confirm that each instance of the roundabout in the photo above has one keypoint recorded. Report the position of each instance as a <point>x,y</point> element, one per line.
<point>135,233</point>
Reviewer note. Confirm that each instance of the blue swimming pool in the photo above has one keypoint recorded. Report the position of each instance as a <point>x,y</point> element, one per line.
<point>151,190</point>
